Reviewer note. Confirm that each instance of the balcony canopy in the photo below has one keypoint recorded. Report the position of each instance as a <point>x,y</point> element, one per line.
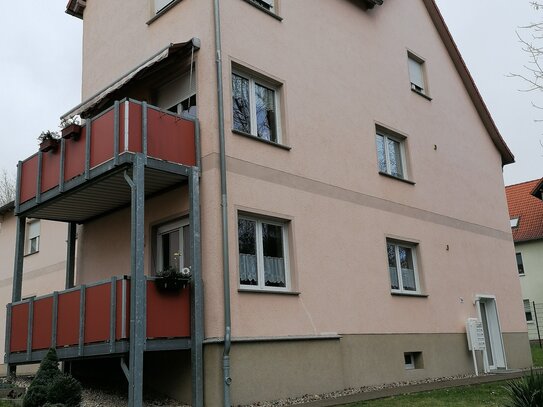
<point>116,90</point>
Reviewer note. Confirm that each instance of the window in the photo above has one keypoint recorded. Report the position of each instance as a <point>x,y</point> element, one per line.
<point>161,4</point>
<point>263,254</point>
<point>255,108</point>
<point>173,246</point>
<point>416,74</point>
<point>520,265</point>
<point>179,95</point>
<point>391,154</point>
<point>514,222</point>
<point>402,267</point>
<point>528,311</point>
<point>267,4</point>
<point>33,237</point>
<point>412,360</point>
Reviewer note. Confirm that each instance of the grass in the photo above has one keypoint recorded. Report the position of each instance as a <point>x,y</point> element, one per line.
<point>6,404</point>
<point>537,356</point>
<point>484,395</point>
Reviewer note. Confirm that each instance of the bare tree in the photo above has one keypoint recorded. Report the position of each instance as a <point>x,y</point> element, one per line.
<point>7,187</point>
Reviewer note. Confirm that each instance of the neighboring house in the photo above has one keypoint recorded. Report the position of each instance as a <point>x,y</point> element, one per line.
<point>329,173</point>
<point>44,261</point>
<point>526,214</point>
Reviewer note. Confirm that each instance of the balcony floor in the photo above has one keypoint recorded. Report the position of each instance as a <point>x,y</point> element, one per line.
<point>105,190</point>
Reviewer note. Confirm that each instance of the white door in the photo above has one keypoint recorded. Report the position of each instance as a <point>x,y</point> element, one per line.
<point>494,354</point>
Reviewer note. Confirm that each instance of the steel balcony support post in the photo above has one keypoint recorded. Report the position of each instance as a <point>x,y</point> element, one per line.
<point>70,255</point>
<point>137,285</point>
<point>197,298</point>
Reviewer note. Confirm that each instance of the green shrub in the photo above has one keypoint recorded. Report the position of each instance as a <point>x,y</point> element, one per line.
<point>526,392</point>
<point>51,387</point>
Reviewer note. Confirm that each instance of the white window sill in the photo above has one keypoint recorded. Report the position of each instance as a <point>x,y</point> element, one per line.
<point>30,254</point>
<point>265,10</point>
<point>264,291</point>
<point>386,174</point>
<point>530,322</point>
<point>408,294</point>
<point>521,275</point>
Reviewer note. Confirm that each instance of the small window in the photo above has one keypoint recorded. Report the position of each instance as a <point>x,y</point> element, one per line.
<point>412,360</point>
<point>520,265</point>
<point>161,5</point>
<point>416,74</point>
<point>173,246</point>
<point>402,267</point>
<point>263,254</point>
<point>528,311</point>
<point>514,222</point>
<point>255,107</point>
<point>33,237</point>
<point>391,154</point>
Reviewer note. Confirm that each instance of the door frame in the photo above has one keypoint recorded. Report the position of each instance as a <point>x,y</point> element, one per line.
<point>495,333</point>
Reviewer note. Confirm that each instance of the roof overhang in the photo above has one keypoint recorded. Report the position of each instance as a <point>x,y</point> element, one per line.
<point>133,75</point>
<point>76,7</point>
<point>538,190</point>
<point>469,83</point>
<point>9,207</point>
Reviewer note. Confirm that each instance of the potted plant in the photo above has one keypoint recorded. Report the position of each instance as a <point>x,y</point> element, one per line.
<point>48,140</point>
<point>71,127</point>
<point>173,278</point>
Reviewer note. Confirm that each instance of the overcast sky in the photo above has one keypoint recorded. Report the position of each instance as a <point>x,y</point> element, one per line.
<point>40,67</point>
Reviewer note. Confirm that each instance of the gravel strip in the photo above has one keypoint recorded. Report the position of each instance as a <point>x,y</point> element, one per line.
<point>93,397</point>
<point>348,392</point>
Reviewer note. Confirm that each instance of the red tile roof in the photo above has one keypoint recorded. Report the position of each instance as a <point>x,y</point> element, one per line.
<point>527,208</point>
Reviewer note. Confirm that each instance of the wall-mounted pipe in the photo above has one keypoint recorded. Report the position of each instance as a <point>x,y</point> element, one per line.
<point>227,380</point>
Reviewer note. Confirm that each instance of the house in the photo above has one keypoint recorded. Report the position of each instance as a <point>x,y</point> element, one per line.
<point>328,173</point>
<point>44,252</point>
<point>526,214</point>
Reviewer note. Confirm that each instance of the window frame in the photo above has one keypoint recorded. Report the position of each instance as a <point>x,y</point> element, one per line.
<point>421,63</point>
<point>401,140</point>
<point>518,255</point>
<point>164,228</point>
<point>261,286</point>
<point>167,3</point>
<point>528,311</point>
<point>414,247</point>
<point>29,239</point>
<point>514,222</point>
<point>256,79</point>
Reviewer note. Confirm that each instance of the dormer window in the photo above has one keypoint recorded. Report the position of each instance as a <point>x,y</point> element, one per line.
<point>514,222</point>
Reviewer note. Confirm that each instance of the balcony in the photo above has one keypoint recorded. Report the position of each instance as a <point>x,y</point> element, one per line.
<point>94,320</point>
<point>61,184</point>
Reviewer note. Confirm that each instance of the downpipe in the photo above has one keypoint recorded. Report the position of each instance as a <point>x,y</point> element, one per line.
<point>227,380</point>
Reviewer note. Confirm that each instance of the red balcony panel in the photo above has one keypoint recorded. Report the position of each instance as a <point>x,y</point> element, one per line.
<point>102,132</point>
<point>74,161</point>
<point>170,138</point>
<point>134,127</point>
<point>50,173</point>
<point>19,327</point>
<point>168,314</point>
<point>68,318</point>
<point>29,176</point>
<point>97,313</point>
<point>42,323</point>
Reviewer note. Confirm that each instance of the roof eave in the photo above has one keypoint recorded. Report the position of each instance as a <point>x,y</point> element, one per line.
<point>538,190</point>
<point>10,206</point>
<point>76,7</point>
<point>439,22</point>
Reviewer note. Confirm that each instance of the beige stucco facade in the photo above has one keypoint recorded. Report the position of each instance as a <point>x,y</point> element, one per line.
<point>339,71</point>
<point>532,279</point>
<point>44,270</point>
